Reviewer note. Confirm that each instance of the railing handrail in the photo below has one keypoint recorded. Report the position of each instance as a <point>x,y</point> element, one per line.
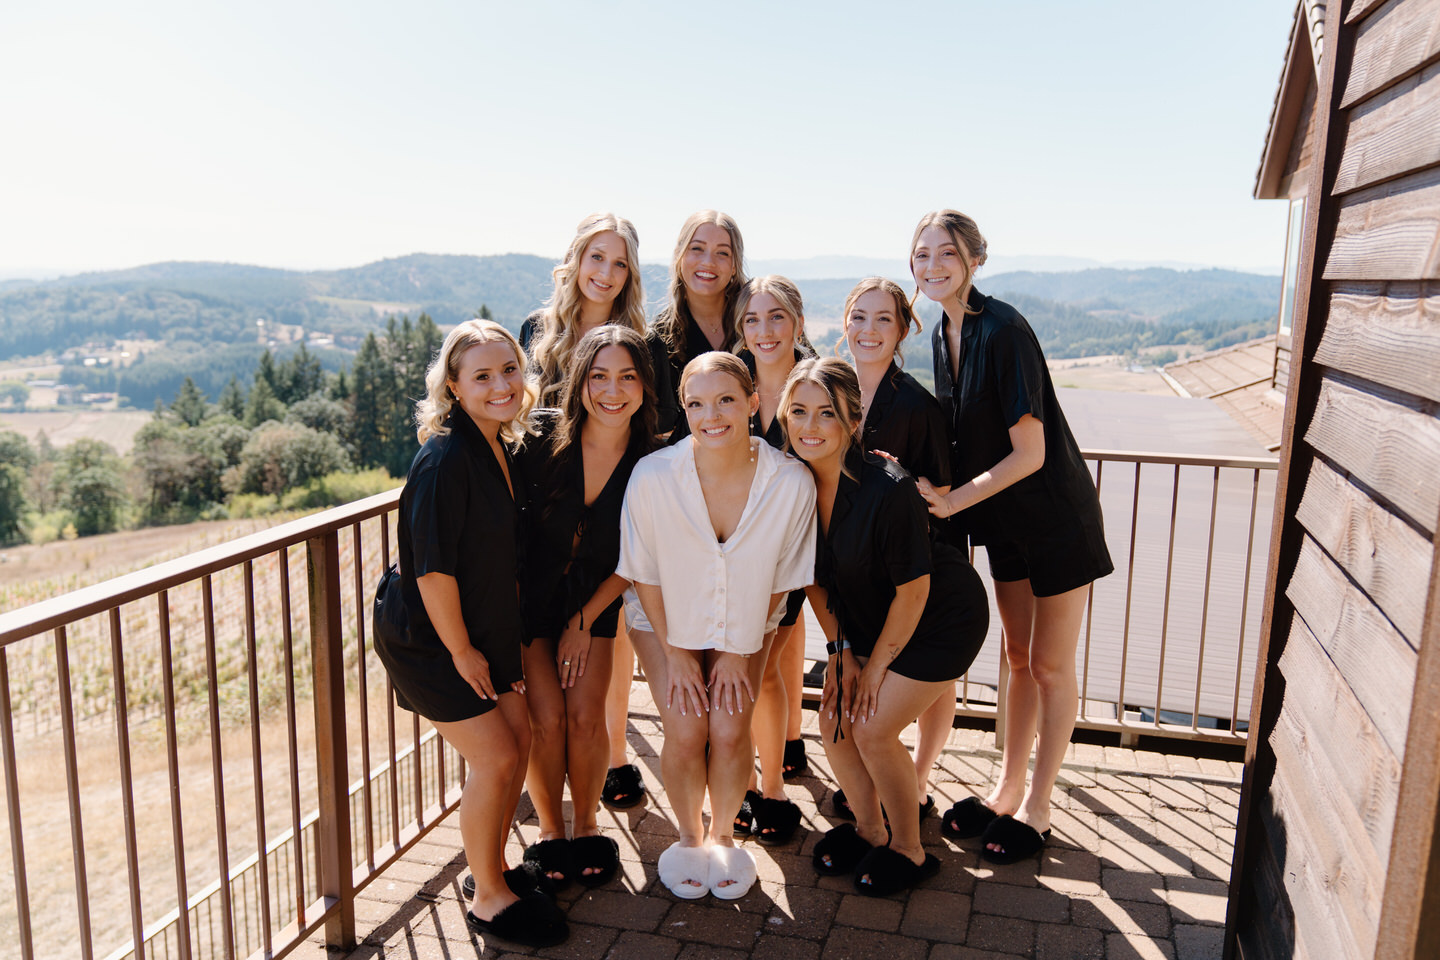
<point>100,597</point>
<point>1183,459</point>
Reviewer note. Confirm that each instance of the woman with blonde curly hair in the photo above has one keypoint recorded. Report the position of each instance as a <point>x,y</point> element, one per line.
<point>447,620</point>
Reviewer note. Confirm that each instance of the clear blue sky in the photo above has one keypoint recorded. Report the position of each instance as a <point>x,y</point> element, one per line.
<point>333,134</point>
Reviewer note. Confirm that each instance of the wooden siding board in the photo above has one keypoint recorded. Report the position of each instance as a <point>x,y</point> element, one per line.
<point>1316,922</point>
<point>1369,652</point>
<point>1392,449</point>
<point>1410,922</point>
<point>1386,333</point>
<point>1389,232</point>
<point>1348,874</point>
<point>1394,134</point>
<point>1392,43</point>
<point>1379,551</point>
<point>1367,771</point>
<point>1360,8</point>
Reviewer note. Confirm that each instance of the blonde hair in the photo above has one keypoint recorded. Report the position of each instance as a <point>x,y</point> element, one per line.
<point>718,361</point>
<point>432,411</point>
<point>967,239</point>
<point>786,294</point>
<point>903,311</point>
<point>671,320</point>
<point>560,318</point>
<point>842,387</point>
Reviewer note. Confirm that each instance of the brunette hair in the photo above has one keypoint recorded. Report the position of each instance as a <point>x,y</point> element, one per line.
<point>718,361</point>
<point>786,294</point>
<point>572,407</point>
<point>842,387</point>
<point>670,322</point>
<point>433,410</point>
<point>560,318</point>
<point>904,313</point>
<point>967,239</point>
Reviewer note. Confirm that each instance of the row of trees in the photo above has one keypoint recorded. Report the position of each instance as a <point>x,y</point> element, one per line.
<point>289,439</point>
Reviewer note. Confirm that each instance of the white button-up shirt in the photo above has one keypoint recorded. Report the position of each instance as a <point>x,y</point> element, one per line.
<point>717,595</point>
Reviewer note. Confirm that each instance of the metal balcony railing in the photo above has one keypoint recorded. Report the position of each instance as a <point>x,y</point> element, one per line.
<point>186,735</point>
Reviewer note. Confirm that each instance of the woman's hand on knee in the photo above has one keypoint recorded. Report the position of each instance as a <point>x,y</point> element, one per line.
<point>686,684</point>
<point>571,654</point>
<point>867,691</point>
<point>729,676</point>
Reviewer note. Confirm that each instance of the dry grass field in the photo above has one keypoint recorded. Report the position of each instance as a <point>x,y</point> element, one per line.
<point>35,573</point>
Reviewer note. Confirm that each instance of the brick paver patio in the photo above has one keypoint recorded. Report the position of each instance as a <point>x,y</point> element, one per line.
<point>1137,868</point>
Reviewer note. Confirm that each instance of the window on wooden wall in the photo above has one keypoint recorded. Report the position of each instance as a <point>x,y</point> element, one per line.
<point>1292,266</point>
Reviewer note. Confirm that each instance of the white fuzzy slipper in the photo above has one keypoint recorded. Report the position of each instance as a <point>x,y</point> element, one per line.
<point>685,871</point>
<point>732,864</point>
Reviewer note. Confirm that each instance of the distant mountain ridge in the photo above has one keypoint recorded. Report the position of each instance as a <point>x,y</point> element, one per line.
<point>217,303</point>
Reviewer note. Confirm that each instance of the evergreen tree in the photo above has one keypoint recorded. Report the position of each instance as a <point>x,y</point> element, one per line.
<point>266,371</point>
<point>16,458</point>
<point>369,394</point>
<point>262,404</point>
<point>484,313</point>
<point>232,399</point>
<point>189,404</point>
<point>299,377</point>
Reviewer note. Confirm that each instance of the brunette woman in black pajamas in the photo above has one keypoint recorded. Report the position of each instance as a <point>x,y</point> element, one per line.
<point>577,471</point>
<point>905,615</point>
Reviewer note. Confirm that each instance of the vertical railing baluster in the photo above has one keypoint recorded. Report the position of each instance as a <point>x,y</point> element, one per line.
<point>1089,611</point>
<point>394,761</point>
<point>328,664</point>
<point>419,814</point>
<point>127,783</point>
<point>1129,595</point>
<point>217,767</point>
<point>360,605</point>
<point>257,772</point>
<point>12,806</point>
<point>1205,600</point>
<point>292,739</point>
<point>1165,607</point>
<point>172,758</point>
<point>72,790</point>
<point>1245,602</point>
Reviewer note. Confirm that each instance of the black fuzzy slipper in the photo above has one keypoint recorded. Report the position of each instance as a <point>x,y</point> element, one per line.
<point>967,818</point>
<point>775,821</point>
<point>623,788</point>
<point>521,880</point>
<point>838,851</point>
<point>595,852</point>
<point>1017,841</point>
<point>745,819</point>
<point>553,857</point>
<point>795,763</point>
<point>884,871</point>
<point>532,921</point>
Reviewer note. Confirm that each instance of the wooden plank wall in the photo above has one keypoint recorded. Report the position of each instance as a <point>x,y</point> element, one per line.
<point>1336,853</point>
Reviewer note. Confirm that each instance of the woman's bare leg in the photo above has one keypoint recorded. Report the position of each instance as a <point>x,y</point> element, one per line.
<point>790,650</point>
<point>585,737</point>
<point>1017,615</point>
<point>546,776</point>
<point>732,750</point>
<point>1052,666</point>
<point>931,734</point>
<point>888,762</point>
<point>853,777</point>
<point>494,746</point>
<point>617,701</point>
<point>768,727</point>
<point>682,752</point>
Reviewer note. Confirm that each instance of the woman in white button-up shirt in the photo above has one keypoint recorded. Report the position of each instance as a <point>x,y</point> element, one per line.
<point>715,531</point>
